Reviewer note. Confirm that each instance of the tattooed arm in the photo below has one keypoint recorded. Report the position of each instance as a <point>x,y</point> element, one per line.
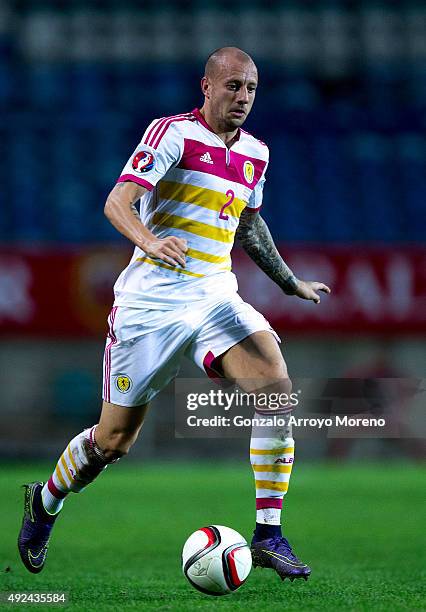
<point>255,238</point>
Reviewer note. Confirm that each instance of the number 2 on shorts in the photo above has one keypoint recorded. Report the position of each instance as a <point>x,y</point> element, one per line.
<point>231,195</point>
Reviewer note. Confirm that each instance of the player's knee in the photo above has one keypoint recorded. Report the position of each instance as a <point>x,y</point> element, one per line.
<point>271,377</point>
<point>277,390</point>
<point>278,380</point>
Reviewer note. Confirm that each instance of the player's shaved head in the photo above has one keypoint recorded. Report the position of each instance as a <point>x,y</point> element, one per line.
<point>223,58</point>
<point>229,87</point>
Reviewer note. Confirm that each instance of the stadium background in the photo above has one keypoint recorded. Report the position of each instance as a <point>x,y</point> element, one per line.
<point>342,106</point>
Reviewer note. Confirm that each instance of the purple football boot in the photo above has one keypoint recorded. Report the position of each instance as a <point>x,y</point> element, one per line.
<point>33,539</point>
<point>276,553</point>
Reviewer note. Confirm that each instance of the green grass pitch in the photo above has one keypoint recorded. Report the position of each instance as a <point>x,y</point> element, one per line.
<point>117,545</point>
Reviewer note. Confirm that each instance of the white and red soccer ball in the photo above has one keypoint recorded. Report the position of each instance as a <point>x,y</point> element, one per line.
<point>216,560</point>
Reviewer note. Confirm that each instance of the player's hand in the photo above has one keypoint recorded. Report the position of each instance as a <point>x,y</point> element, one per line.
<point>171,250</point>
<point>307,290</point>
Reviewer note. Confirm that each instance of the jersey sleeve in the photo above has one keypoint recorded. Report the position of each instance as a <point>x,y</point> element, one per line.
<point>255,201</point>
<point>153,157</point>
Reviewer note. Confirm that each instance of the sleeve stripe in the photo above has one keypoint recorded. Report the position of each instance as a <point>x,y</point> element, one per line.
<point>165,128</point>
<point>253,210</point>
<point>149,131</point>
<point>156,128</point>
<point>135,179</point>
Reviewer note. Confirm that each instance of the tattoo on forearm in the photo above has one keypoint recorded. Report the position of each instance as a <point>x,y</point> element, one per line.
<point>255,238</point>
<point>135,211</point>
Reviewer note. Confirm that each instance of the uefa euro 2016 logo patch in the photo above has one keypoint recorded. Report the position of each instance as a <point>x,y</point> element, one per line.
<point>143,162</point>
<point>248,171</point>
<point>123,383</point>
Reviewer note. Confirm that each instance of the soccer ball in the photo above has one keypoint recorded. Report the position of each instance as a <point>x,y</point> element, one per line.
<point>216,560</point>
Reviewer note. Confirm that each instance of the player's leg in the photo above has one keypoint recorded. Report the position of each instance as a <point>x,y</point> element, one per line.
<point>237,342</point>
<point>142,355</point>
<point>257,365</point>
<point>84,458</point>
<point>91,451</point>
<point>139,360</point>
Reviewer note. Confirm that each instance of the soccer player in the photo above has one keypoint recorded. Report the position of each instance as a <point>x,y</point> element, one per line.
<point>199,178</point>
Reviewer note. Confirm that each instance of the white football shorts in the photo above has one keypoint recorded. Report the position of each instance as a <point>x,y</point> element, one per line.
<point>144,348</point>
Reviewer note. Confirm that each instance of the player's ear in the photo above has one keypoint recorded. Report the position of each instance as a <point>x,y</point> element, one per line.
<point>205,86</point>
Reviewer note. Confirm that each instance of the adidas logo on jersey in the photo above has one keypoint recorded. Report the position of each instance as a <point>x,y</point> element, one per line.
<point>206,158</point>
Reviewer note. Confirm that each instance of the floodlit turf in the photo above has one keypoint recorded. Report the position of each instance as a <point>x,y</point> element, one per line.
<point>117,545</point>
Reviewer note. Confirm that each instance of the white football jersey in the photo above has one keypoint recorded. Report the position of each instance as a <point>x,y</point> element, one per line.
<point>197,189</point>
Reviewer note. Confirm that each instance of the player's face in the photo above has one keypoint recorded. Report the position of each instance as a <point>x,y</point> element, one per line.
<point>231,94</point>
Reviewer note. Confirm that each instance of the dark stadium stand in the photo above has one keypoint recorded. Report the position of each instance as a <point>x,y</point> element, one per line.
<point>348,148</point>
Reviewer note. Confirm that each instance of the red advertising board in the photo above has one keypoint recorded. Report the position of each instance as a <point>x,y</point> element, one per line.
<point>68,293</point>
<point>373,289</point>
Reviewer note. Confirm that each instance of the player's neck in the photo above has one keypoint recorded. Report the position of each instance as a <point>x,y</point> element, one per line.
<point>227,137</point>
